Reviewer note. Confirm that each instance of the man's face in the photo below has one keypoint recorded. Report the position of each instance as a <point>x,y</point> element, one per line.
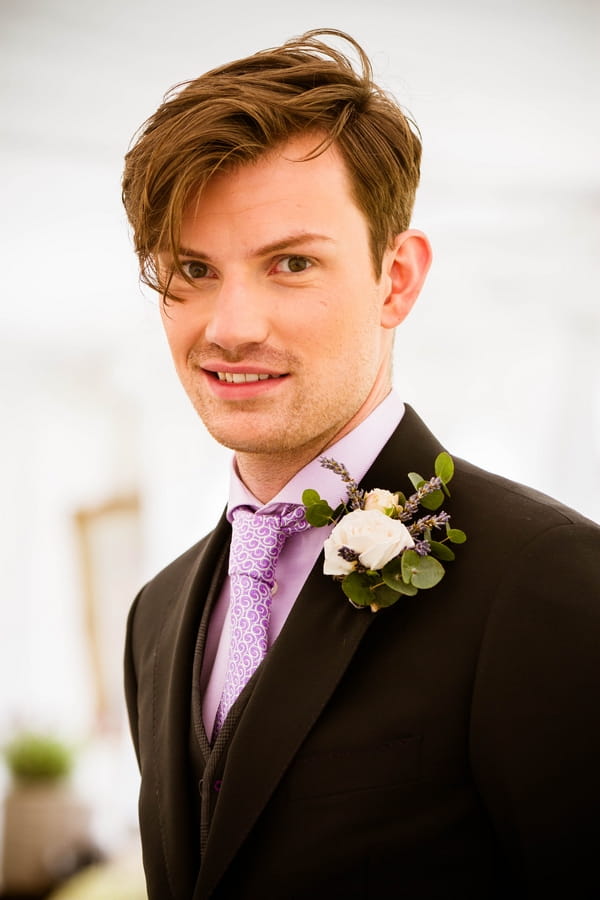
<point>279,343</point>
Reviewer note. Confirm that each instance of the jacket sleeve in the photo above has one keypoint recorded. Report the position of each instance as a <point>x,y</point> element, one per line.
<point>535,725</point>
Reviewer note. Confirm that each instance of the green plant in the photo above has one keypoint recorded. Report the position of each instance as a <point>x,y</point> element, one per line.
<point>38,757</point>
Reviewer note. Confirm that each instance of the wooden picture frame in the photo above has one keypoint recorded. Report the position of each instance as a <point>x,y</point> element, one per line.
<point>109,542</point>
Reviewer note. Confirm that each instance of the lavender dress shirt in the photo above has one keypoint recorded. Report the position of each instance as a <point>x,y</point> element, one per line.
<point>357,451</point>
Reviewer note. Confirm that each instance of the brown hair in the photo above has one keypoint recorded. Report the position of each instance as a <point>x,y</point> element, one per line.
<point>236,113</point>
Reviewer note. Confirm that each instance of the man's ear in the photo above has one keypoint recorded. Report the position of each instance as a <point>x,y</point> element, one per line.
<point>405,266</point>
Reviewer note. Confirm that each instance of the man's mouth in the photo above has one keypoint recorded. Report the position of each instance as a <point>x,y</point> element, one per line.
<point>243,377</point>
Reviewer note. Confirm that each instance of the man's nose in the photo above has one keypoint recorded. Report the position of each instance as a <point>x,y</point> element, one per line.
<point>238,316</point>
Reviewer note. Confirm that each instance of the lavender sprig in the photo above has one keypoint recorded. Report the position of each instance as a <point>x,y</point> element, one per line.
<point>349,554</point>
<point>429,522</point>
<point>355,495</point>
<point>423,548</point>
<point>412,504</point>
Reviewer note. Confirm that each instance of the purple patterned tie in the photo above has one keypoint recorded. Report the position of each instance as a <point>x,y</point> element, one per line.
<point>256,543</point>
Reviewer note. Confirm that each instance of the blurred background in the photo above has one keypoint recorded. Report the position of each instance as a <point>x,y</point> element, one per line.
<point>106,474</point>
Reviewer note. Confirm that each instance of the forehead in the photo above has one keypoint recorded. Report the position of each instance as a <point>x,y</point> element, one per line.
<point>282,183</point>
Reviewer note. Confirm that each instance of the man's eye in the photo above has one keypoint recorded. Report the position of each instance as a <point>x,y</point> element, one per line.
<point>195,269</point>
<point>293,264</point>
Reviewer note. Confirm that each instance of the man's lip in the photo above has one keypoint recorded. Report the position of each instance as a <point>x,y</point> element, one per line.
<point>221,383</point>
<point>249,368</point>
<point>228,374</point>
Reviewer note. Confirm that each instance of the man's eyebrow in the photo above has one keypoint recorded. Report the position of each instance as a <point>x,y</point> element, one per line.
<point>285,243</point>
<point>291,240</point>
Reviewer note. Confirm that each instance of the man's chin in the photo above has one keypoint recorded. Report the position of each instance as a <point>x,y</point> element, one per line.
<point>279,432</point>
<point>252,427</point>
<point>257,447</point>
<point>270,438</point>
<point>256,441</point>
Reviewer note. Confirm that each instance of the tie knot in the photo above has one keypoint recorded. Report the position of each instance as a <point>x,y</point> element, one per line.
<point>258,538</point>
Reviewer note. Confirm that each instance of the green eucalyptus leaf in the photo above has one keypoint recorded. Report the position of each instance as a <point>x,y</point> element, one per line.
<point>358,587</point>
<point>319,514</point>
<point>433,500</point>
<point>455,535</point>
<point>408,590</point>
<point>421,571</point>
<point>442,551</point>
<point>398,586</point>
<point>385,596</point>
<point>401,498</point>
<point>392,575</point>
<point>444,467</point>
<point>416,480</point>
<point>310,497</point>
<point>408,562</point>
<point>427,573</point>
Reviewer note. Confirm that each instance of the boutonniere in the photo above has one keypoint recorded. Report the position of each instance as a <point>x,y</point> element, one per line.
<point>385,545</point>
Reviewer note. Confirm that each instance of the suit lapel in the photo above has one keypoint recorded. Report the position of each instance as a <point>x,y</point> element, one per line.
<point>301,672</point>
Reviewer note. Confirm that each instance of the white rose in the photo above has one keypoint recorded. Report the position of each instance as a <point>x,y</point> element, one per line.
<point>380,499</point>
<point>374,536</point>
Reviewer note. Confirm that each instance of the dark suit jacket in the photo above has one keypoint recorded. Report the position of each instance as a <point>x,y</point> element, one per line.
<point>448,746</point>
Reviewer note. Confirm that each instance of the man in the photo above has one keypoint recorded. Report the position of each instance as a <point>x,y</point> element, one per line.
<point>446,746</point>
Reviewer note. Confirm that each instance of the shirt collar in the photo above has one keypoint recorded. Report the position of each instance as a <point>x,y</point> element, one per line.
<point>357,450</point>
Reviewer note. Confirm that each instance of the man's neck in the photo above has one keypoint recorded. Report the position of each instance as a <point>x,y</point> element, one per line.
<point>266,474</point>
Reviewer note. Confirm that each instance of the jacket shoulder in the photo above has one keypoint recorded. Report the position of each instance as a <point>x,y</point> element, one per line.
<point>499,498</point>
